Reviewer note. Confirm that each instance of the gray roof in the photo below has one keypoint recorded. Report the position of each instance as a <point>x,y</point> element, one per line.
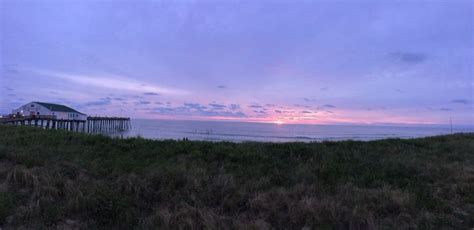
<point>58,108</point>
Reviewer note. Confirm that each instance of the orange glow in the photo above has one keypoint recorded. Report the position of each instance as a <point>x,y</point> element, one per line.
<point>291,115</point>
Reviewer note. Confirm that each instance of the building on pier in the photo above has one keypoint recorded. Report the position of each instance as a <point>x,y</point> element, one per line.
<point>60,112</point>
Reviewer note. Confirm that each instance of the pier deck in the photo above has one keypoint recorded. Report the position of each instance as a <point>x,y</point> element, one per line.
<point>90,125</point>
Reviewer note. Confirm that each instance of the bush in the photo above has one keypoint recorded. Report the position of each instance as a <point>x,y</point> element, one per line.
<point>7,205</point>
<point>58,179</point>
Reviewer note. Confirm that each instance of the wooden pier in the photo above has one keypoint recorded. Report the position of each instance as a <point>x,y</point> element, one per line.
<point>108,124</point>
<point>91,125</point>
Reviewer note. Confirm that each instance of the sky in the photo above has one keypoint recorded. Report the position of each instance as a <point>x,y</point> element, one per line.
<point>309,62</point>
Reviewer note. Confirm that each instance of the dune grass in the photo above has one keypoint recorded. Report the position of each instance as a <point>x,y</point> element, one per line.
<point>59,179</point>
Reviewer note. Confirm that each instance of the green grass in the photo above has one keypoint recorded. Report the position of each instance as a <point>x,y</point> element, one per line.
<point>59,179</point>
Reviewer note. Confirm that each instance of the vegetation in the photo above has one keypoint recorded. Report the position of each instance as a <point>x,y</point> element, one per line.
<point>59,179</point>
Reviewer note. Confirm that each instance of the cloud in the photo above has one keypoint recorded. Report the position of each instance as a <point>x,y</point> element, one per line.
<point>196,106</point>
<point>151,94</point>
<point>100,102</point>
<point>240,114</point>
<point>446,109</point>
<point>8,88</point>
<point>12,71</point>
<point>221,86</point>
<point>323,88</point>
<point>256,106</point>
<point>143,103</point>
<point>302,106</point>
<point>306,112</point>
<point>163,110</point>
<point>234,106</point>
<point>191,109</point>
<point>329,106</point>
<point>309,99</point>
<point>111,82</point>
<point>410,58</point>
<point>223,114</point>
<point>10,68</point>
<point>278,111</point>
<point>217,106</point>
<point>460,101</point>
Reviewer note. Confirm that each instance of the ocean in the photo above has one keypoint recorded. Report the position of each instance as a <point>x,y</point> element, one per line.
<point>267,132</point>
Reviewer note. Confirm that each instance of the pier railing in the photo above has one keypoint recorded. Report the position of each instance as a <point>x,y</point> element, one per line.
<point>90,125</point>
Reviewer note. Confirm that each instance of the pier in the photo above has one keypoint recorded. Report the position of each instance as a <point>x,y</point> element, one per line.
<point>108,124</point>
<point>90,125</point>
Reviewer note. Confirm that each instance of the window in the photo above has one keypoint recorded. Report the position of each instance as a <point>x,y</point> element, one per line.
<point>32,105</point>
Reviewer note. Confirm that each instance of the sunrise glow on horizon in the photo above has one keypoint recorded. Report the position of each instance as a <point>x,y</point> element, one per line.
<point>279,62</point>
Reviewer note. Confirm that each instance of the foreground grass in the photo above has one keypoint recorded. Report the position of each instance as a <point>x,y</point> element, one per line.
<point>58,179</point>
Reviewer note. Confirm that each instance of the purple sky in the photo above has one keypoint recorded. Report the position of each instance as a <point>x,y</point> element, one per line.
<point>290,61</point>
